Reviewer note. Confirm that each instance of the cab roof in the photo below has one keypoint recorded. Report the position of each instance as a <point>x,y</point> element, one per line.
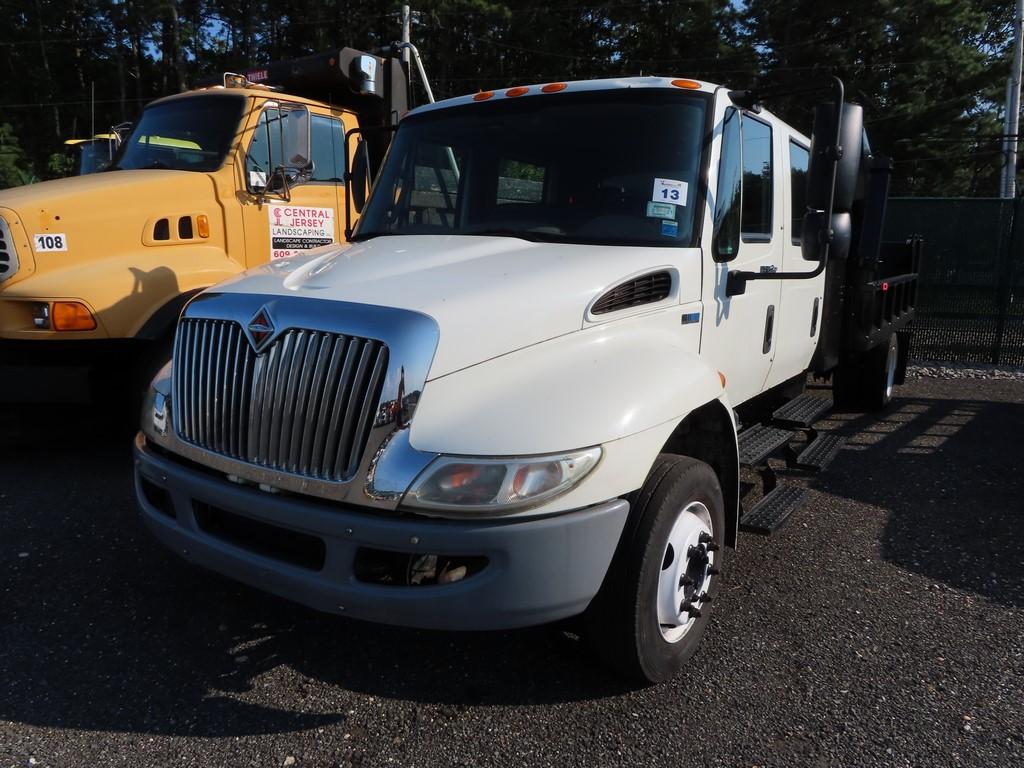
<point>574,86</point>
<point>251,90</point>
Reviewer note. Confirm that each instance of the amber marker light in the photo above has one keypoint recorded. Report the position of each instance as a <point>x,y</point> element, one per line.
<point>519,90</point>
<point>203,225</point>
<point>691,84</point>
<point>72,316</point>
<point>721,378</point>
<point>483,95</point>
<point>554,87</point>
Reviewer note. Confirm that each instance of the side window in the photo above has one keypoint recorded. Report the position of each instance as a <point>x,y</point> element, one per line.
<point>520,182</point>
<point>757,181</point>
<point>727,205</point>
<point>798,159</point>
<point>258,158</point>
<point>327,146</point>
<point>268,146</point>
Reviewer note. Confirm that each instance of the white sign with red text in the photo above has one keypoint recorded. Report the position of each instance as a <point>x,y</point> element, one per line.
<point>297,228</point>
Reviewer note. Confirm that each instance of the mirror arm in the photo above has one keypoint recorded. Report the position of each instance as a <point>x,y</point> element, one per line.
<point>736,282</point>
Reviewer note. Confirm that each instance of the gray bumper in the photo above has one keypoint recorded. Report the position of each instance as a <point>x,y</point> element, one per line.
<point>538,570</point>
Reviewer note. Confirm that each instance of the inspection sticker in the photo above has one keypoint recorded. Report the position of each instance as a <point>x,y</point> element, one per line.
<point>661,210</point>
<point>294,229</point>
<point>669,229</point>
<point>54,242</point>
<point>669,191</point>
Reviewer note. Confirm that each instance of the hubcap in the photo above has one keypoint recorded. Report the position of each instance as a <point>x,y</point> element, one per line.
<point>687,566</point>
<point>890,370</point>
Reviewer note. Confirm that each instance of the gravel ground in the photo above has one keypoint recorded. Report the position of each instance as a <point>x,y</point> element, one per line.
<point>883,626</point>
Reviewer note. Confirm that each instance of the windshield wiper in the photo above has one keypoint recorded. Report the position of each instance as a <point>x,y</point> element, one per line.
<point>522,234</point>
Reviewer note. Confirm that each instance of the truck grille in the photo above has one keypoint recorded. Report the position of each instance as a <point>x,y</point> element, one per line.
<point>304,405</point>
<point>8,253</point>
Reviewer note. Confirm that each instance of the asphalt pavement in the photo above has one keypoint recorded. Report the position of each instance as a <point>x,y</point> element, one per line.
<point>883,626</point>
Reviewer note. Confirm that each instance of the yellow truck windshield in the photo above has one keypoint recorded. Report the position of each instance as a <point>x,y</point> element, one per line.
<point>188,134</point>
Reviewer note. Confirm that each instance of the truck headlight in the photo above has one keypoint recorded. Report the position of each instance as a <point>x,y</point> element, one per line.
<point>157,404</point>
<point>498,485</point>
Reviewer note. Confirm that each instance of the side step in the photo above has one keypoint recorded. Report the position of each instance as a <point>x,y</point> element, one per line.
<point>801,412</point>
<point>771,512</point>
<point>820,452</point>
<point>759,442</point>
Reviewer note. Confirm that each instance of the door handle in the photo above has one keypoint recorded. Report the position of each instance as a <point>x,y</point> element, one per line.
<point>769,328</point>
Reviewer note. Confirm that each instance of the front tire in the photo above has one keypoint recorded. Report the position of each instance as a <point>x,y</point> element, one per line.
<point>655,603</point>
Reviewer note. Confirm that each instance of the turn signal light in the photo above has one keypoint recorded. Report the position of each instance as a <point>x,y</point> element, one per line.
<point>691,84</point>
<point>553,87</point>
<point>483,95</point>
<point>203,225</point>
<point>72,316</point>
<point>519,90</point>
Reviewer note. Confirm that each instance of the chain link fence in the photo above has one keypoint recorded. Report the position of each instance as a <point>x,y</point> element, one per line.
<point>970,305</point>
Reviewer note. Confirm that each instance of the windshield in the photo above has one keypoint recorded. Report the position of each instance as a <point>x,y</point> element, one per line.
<point>607,167</point>
<point>190,134</point>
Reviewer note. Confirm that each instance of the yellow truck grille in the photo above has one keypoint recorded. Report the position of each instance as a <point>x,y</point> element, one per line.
<point>8,253</point>
<point>304,404</point>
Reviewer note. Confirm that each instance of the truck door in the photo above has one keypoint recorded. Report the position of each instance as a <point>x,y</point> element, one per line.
<point>738,333</point>
<point>798,323</point>
<point>276,227</point>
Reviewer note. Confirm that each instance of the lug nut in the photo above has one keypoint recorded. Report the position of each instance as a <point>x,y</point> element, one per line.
<point>704,538</point>
<point>689,608</point>
<point>685,581</point>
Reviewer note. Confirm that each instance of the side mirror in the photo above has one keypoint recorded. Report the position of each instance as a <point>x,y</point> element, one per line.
<point>845,157</point>
<point>359,176</point>
<point>818,229</point>
<point>295,138</point>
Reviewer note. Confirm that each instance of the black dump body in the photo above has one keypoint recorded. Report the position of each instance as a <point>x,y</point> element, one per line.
<point>872,293</point>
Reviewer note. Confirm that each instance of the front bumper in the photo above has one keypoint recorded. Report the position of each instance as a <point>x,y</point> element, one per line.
<point>537,571</point>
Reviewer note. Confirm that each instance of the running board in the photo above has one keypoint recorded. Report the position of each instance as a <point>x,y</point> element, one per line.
<point>820,452</point>
<point>772,512</point>
<point>801,412</point>
<point>759,442</point>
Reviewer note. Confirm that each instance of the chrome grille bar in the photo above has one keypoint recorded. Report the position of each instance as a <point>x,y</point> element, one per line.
<point>305,405</point>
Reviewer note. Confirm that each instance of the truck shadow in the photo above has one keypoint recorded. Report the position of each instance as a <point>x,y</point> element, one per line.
<point>948,474</point>
<point>101,629</point>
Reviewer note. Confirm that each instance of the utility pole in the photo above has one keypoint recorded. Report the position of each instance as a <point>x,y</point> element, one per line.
<point>407,29</point>
<point>1013,105</point>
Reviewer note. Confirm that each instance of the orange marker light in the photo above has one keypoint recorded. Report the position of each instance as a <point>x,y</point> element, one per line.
<point>519,90</point>
<point>554,87</point>
<point>721,378</point>
<point>203,225</point>
<point>72,316</point>
<point>691,84</point>
<point>483,95</point>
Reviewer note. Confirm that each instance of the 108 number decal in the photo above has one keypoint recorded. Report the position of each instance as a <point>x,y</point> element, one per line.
<point>56,242</point>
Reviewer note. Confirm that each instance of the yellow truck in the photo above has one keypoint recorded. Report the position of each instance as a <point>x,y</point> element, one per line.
<point>95,269</point>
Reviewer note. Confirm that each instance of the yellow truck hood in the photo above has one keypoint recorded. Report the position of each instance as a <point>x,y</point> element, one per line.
<point>98,216</point>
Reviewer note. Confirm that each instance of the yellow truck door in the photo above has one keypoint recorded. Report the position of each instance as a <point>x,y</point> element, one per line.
<point>312,215</point>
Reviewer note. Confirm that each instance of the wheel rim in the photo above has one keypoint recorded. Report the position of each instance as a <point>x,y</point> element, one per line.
<point>687,565</point>
<point>890,370</point>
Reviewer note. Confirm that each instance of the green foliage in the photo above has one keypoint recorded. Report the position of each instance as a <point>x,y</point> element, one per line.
<point>931,73</point>
<point>14,167</point>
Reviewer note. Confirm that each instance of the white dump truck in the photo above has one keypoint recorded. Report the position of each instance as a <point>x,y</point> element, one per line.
<point>569,315</point>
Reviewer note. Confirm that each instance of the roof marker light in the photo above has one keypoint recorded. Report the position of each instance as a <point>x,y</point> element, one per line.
<point>519,90</point>
<point>690,84</point>
<point>483,95</point>
<point>554,87</point>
